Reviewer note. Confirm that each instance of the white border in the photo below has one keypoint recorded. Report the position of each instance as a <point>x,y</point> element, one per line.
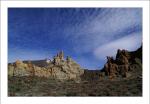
<point>69,100</point>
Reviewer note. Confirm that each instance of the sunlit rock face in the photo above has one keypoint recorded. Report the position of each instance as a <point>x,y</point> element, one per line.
<point>18,69</point>
<point>61,68</point>
<point>58,68</point>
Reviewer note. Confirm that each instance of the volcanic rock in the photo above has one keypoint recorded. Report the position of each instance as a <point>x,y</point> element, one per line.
<point>58,68</point>
<point>124,65</point>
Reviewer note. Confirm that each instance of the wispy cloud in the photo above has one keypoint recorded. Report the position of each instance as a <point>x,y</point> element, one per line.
<point>86,34</point>
<point>130,42</point>
<point>106,26</point>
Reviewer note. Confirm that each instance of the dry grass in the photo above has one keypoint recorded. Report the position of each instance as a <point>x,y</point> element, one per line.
<point>29,86</point>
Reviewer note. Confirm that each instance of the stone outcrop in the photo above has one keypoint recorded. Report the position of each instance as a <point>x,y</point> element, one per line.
<point>111,68</point>
<point>125,65</point>
<point>58,68</point>
<point>18,69</point>
<point>64,68</point>
<point>122,66</point>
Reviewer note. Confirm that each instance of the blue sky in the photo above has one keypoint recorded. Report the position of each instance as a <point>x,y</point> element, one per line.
<point>88,35</point>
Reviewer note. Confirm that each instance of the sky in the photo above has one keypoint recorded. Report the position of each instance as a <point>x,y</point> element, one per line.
<point>87,35</point>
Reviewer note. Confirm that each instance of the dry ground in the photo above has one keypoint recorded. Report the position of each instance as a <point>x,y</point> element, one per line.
<point>29,86</point>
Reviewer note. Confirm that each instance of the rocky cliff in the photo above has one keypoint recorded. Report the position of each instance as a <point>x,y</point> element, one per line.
<point>57,68</point>
<point>126,64</point>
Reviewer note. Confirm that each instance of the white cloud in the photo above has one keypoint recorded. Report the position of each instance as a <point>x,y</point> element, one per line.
<point>115,20</point>
<point>103,27</point>
<point>130,42</point>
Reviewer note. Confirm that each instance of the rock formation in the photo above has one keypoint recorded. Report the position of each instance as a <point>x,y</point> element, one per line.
<point>126,64</point>
<point>58,68</point>
<point>61,68</point>
<point>111,67</point>
<point>122,65</point>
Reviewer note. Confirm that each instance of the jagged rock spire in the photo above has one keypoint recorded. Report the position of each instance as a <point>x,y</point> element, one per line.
<point>61,55</point>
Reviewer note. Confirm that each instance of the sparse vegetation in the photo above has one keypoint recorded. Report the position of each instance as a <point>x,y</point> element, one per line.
<point>38,86</point>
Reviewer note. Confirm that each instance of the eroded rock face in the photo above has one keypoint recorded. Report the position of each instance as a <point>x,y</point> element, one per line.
<point>18,69</point>
<point>120,66</point>
<point>64,68</point>
<point>58,68</point>
<point>111,68</point>
<point>122,57</point>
